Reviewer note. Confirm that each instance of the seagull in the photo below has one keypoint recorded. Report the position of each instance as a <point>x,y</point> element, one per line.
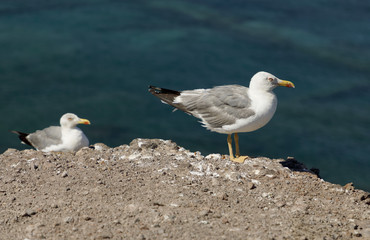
<point>229,109</point>
<point>64,138</point>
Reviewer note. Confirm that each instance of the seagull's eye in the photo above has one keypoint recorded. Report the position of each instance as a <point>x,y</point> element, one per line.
<point>270,79</point>
<point>70,119</point>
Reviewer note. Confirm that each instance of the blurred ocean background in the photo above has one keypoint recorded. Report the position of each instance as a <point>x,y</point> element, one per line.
<point>96,58</point>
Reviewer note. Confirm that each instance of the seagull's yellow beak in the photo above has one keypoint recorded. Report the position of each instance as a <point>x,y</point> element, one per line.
<point>285,83</point>
<point>84,121</point>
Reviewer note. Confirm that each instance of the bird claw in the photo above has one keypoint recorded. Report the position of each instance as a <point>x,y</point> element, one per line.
<point>239,159</point>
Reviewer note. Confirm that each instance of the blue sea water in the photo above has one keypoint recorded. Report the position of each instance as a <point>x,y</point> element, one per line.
<point>96,58</point>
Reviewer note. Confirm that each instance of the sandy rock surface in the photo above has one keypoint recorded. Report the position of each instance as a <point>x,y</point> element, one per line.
<point>154,189</point>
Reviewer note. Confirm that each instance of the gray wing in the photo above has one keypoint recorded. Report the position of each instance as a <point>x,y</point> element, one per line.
<point>219,106</point>
<point>46,137</point>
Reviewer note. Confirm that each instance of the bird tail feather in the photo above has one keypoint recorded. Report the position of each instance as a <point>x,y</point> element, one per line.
<point>167,96</point>
<point>23,137</point>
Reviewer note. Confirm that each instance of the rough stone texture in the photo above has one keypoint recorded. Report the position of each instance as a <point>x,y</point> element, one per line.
<point>154,189</point>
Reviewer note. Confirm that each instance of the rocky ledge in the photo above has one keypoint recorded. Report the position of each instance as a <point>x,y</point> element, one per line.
<point>154,189</point>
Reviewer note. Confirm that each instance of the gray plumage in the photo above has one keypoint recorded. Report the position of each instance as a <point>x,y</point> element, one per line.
<point>46,137</point>
<point>219,106</point>
<point>216,107</point>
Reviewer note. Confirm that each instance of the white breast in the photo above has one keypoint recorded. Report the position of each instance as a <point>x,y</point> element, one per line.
<point>72,140</point>
<point>264,105</point>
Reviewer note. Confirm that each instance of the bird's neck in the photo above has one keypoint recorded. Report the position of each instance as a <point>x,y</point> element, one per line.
<point>262,99</point>
<point>69,129</point>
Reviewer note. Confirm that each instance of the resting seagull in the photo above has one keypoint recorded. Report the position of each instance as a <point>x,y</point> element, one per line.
<point>65,138</point>
<point>229,109</point>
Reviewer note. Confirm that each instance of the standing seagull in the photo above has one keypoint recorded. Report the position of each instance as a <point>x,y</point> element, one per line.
<point>229,109</point>
<point>65,138</point>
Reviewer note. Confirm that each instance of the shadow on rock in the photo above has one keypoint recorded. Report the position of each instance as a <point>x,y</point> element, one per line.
<point>294,165</point>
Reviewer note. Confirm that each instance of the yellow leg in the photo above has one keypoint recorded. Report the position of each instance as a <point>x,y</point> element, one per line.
<point>229,143</point>
<point>238,158</point>
<point>237,151</point>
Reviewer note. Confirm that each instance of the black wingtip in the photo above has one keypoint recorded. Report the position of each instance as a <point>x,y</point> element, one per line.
<point>168,96</point>
<point>158,90</point>
<point>17,132</point>
<point>154,89</point>
<point>23,137</point>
